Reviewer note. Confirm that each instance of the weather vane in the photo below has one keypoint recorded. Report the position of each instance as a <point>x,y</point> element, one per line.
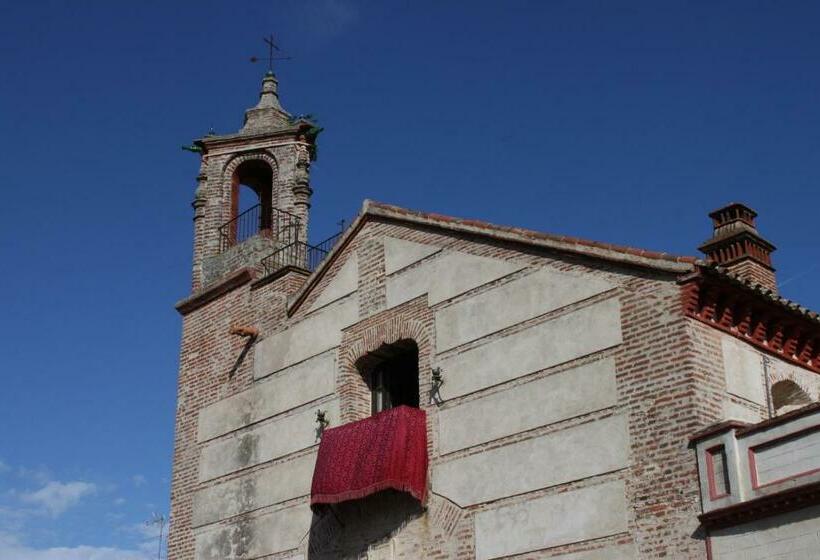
<point>273,48</point>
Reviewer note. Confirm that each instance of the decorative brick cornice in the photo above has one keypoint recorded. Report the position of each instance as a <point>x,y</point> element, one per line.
<point>774,325</point>
<point>237,159</point>
<point>392,329</point>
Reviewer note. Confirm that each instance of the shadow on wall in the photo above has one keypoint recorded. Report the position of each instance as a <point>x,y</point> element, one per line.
<point>349,529</point>
<point>789,535</point>
<point>787,396</point>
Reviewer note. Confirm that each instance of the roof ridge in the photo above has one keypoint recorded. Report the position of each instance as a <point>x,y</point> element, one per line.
<point>630,256</point>
<point>525,232</point>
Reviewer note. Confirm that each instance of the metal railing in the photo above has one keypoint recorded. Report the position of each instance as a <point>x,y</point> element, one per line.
<point>299,254</point>
<point>277,223</point>
<point>329,243</point>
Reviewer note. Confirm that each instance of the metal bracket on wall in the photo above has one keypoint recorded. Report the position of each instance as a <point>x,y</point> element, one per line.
<point>321,419</point>
<point>437,380</point>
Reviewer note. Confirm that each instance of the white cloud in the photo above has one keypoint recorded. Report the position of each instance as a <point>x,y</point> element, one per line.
<point>4,467</point>
<point>139,480</point>
<point>39,474</point>
<point>12,549</point>
<point>56,497</point>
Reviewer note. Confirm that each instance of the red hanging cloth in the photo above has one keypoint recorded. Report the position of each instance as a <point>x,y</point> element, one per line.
<point>387,450</point>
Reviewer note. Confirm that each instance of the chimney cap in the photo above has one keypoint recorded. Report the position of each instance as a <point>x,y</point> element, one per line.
<point>733,212</point>
<point>731,205</point>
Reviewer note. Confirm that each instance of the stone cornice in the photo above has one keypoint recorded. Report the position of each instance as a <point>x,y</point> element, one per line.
<point>239,139</point>
<point>216,290</point>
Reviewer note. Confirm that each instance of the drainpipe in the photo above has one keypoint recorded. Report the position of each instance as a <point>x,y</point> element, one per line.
<point>769,404</point>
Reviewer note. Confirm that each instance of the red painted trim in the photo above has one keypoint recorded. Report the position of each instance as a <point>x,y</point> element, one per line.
<point>744,431</point>
<point>710,472</point>
<point>709,547</point>
<point>716,429</point>
<point>764,506</point>
<point>773,443</point>
<point>753,469</point>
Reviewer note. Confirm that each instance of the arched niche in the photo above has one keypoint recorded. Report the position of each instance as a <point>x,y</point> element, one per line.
<point>253,176</point>
<point>788,395</point>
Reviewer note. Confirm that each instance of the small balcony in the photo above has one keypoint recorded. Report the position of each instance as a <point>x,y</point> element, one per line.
<point>299,254</point>
<point>387,451</point>
<point>273,223</point>
<point>753,471</point>
<point>267,239</point>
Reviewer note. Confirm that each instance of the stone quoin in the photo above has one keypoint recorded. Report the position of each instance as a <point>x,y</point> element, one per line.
<point>580,400</point>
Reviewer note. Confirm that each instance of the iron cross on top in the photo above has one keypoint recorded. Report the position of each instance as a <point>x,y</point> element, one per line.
<point>273,48</point>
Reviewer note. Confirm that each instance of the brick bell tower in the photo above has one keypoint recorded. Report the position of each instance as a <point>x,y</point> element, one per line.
<point>250,230</point>
<point>268,158</point>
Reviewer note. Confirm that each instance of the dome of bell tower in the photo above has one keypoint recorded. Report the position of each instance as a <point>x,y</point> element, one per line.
<point>268,114</point>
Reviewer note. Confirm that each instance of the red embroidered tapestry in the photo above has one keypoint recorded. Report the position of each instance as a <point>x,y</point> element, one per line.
<point>387,450</point>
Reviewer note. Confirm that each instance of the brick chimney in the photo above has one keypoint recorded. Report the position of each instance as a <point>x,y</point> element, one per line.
<point>737,246</point>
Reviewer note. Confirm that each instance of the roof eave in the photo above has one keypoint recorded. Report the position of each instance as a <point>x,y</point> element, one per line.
<point>622,255</point>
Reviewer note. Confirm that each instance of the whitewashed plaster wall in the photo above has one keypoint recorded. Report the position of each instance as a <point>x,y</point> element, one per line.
<point>573,392</point>
<point>289,388</point>
<point>264,442</point>
<point>498,324</point>
<point>483,352</point>
<point>792,536</point>
<point>559,457</point>
<point>270,430</point>
<point>746,381</point>
<point>445,275</point>
<point>311,336</point>
<point>553,520</point>
<point>558,340</point>
<point>261,535</point>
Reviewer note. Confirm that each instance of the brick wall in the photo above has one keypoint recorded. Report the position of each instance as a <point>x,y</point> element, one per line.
<point>756,273</point>
<point>669,383</point>
<point>667,387</point>
<point>215,365</point>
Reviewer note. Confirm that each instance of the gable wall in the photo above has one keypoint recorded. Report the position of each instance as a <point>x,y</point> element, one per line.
<point>585,368</point>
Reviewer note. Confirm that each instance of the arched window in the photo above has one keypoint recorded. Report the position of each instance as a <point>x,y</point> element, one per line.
<point>787,395</point>
<point>392,374</point>
<point>252,197</point>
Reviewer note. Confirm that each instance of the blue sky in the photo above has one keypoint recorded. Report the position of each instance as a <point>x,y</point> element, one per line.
<point>624,122</point>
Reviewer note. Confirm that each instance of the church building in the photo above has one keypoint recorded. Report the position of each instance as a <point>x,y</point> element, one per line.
<point>429,387</point>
